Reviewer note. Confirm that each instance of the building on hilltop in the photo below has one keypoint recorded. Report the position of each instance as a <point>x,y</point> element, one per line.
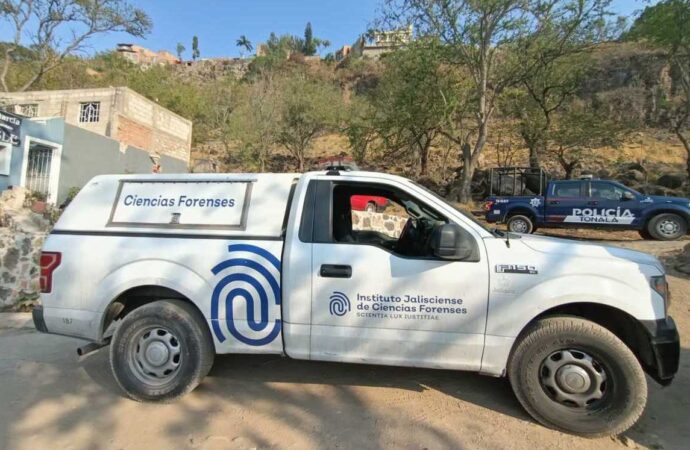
<point>52,141</point>
<point>376,43</point>
<point>144,57</point>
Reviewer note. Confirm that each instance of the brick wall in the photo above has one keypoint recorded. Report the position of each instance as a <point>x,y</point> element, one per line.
<point>132,133</point>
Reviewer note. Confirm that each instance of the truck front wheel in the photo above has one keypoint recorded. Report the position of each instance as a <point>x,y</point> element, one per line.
<point>667,227</point>
<point>576,376</point>
<point>520,224</point>
<point>161,351</point>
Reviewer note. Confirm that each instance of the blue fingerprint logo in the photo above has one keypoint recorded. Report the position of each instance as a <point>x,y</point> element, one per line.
<point>340,304</point>
<point>251,275</point>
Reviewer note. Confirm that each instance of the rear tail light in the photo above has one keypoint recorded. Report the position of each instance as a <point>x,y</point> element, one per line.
<point>488,205</point>
<point>49,262</point>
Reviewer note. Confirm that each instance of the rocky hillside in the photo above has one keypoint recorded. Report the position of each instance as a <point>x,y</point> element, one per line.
<point>631,79</point>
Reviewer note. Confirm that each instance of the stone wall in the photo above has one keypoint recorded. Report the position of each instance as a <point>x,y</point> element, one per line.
<point>22,233</point>
<point>19,270</point>
<point>391,225</point>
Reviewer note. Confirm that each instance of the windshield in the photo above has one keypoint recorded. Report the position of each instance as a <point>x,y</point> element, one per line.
<point>460,210</point>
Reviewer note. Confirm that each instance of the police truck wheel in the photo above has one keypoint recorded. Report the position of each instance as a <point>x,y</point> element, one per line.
<point>161,351</point>
<point>576,376</point>
<point>667,227</point>
<point>520,224</point>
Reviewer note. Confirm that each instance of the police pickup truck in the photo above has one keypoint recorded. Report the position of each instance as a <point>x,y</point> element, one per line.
<point>170,270</point>
<point>590,203</point>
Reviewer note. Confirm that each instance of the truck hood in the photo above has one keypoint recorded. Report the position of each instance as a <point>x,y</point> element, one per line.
<point>675,200</point>
<point>569,247</point>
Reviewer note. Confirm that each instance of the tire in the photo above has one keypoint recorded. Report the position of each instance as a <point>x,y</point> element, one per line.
<point>611,404</point>
<point>520,224</point>
<point>667,227</point>
<point>179,351</point>
<point>371,207</point>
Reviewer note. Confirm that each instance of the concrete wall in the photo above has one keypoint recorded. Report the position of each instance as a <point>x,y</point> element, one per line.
<point>124,115</point>
<point>85,155</point>
<point>173,165</point>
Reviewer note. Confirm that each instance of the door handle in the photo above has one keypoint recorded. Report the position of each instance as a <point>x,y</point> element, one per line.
<point>592,203</point>
<point>336,271</point>
<point>553,202</point>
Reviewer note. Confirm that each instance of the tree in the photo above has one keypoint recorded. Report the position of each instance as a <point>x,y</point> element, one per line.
<point>667,25</point>
<point>309,45</point>
<point>360,130</point>
<point>180,50</point>
<point>253,123</point>
<point>244,43</point>
<point>309,108</point>
<point>543,93</point>
<point>485,38</point>
<point>195,48</point>
<point>56,29</point>
<point>580,128</point>
<point>410,104</point>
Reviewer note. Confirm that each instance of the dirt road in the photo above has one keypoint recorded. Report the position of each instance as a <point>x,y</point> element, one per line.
<point>51,400</point>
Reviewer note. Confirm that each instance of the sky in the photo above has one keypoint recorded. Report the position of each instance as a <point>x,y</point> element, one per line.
<point>219,23</point>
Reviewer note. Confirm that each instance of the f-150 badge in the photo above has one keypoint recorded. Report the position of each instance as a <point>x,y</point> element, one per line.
<point>516,268</point>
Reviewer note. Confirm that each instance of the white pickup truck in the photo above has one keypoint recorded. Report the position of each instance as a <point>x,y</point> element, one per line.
<point>172,269</point>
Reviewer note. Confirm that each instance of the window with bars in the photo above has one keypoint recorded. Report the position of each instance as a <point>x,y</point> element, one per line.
<point>28,110</point>
<point>90,112</point>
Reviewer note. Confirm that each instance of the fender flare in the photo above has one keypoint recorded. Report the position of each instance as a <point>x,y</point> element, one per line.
<point>526,209</point>
<point>152,272</point>
<point>664,208</point>
<point>504,328</point>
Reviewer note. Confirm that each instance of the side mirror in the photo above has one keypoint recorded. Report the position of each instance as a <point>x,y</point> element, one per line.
<point>449,241</point>
<point>628,196</point>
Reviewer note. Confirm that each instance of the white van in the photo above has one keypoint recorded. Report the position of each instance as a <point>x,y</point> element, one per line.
<point>172,269</point>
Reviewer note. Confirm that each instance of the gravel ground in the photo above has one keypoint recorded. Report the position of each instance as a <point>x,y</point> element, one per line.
<point>50,399</point>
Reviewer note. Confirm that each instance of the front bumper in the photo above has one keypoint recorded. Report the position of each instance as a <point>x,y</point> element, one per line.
<point>39,321</point>
<point>665,348</point>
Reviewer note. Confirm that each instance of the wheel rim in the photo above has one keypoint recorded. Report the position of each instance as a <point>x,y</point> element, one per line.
<point>519,226</point>
<point>668,227</point>
<point>573,378</point>
<point>154,355</point>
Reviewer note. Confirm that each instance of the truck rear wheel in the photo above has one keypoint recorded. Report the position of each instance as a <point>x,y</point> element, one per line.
<point>161,351</point>
<point>576,376</point>
<point>667,227</point>
<point>520,224</point>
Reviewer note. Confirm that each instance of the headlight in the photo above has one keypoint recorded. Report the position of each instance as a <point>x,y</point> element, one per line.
<point>660,286</point>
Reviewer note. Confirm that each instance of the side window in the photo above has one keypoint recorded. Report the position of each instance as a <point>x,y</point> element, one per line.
<point>606,191</point>
<point>384,217</point>
<point>568,189</point>
<point>378,214</point>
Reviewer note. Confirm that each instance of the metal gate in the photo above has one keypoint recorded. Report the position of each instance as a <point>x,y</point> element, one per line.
<point>38,169</point>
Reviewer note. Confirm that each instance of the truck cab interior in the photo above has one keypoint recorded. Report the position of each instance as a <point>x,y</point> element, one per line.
<point>404,227</point>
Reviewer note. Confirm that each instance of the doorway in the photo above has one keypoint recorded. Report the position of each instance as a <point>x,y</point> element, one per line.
<point>41,168</point>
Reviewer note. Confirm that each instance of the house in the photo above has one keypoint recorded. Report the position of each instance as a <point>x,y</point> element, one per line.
<point>52,141</point>
<point>142,56</point>
<point>378,43</point>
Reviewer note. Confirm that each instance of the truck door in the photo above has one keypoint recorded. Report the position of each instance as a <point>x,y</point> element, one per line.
<point>615,205</point>
<point>378,294</point>
<point>565,201</point>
